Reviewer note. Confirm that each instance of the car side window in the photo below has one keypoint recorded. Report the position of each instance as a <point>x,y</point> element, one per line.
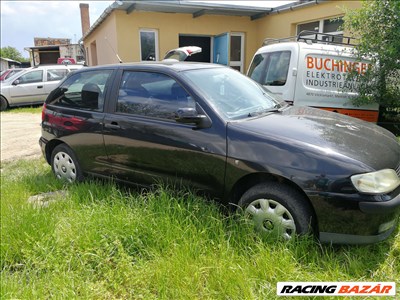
<point>82,90</point>
<point>56,74</point>
<point>31,77</point>
<point>151,94</point>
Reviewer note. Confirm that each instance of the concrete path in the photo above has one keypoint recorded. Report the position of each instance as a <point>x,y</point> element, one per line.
<point>20,133</point>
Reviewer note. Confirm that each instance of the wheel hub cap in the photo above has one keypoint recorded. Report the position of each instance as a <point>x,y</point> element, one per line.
<point>271,217</point>
<point>64,167</point>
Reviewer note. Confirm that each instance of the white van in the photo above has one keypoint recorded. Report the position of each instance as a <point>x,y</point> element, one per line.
<point>311,71</point>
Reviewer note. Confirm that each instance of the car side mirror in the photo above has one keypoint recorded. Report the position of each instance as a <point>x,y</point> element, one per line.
<point>16,82</point>
<point>190,115</point>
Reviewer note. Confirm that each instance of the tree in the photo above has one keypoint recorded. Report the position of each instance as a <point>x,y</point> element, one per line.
<point>377,27</point>
<point>11,53</point>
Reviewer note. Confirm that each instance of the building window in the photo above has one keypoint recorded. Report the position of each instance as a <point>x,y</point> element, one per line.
<point>312,26</point>
<point>333,26</point>
<point>148,44</point>
<point>330,26</point>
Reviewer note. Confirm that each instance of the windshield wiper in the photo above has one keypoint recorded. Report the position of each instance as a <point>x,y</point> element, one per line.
<point>276,108</point>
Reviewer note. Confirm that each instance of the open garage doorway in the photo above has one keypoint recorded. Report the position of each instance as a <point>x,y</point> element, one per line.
<point>200,41</point>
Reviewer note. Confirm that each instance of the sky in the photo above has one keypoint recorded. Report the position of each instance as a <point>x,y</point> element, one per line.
<point>22,21</point>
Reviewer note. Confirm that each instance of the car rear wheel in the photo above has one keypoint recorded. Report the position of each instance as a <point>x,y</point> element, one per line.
<point>65,165</point>
<point>277,210</point>
<point>3,103</point>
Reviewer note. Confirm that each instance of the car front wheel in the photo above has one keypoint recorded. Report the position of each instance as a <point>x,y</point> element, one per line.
<point>65,165</point>
<point>277,210</point>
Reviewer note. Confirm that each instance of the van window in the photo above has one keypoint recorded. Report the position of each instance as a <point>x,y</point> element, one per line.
<point>270,68</point>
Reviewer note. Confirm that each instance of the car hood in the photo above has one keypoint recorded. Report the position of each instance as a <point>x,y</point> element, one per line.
<point>331,134</point>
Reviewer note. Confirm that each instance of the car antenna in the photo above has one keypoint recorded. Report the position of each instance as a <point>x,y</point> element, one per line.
<point>115,52</point>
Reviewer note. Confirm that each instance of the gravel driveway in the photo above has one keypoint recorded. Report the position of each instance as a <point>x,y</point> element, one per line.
<point>20,133</point>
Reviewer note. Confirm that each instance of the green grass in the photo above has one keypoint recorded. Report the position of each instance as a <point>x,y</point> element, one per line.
<point>27,109</point>
<point>102,241</point>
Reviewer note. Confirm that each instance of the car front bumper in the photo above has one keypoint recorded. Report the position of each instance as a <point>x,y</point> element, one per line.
<point>348,219</point>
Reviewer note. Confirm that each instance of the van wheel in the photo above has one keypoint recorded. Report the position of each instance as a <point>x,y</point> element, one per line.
<point>277,210</point>
<point>3,103</point>
<point>65,165</point>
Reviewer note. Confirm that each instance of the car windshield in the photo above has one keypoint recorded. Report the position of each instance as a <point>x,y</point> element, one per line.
<point>233,95</point>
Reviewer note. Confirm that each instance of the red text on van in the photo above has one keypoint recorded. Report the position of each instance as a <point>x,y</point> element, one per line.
<point>330,64</point>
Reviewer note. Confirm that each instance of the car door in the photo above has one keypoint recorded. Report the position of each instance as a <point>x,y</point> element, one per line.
<point>28,88</point>
<point>146,145</point>
<point>74,114</point>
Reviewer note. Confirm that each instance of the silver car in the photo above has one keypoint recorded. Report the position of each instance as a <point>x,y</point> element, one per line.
<point>32,85</point>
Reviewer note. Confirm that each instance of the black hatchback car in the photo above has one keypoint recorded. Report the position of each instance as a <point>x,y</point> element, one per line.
<point>291,170</point>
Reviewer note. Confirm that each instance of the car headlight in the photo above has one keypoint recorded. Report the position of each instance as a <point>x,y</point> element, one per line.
<point>379,182</point>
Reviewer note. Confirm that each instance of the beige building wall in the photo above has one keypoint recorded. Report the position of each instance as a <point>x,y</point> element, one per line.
<point>283,24</point>
<point>102,43</point>
<point>169,27</point>
<point>119,32</point>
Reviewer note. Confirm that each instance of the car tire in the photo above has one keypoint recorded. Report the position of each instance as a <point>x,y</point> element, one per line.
<point>65,165</point>
<point>277,210</point>
<point>3,103</point>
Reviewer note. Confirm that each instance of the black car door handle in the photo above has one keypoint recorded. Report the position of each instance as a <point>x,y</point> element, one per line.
<point>112,125</point>
<point>40,86</point>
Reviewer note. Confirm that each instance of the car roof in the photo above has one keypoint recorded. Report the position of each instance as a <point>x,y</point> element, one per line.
<point>57,66</point>
<point>160,65</point>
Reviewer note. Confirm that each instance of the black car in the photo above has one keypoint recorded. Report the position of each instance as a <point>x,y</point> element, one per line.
<point>292,170</point>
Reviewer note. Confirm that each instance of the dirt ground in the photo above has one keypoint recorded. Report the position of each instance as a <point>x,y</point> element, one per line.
<point>20,133</point>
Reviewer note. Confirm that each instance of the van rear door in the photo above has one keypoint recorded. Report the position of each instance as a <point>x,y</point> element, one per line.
<point>275,67</point>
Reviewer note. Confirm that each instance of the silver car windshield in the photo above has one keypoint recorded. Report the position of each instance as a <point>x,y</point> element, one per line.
<point>233,95</point>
